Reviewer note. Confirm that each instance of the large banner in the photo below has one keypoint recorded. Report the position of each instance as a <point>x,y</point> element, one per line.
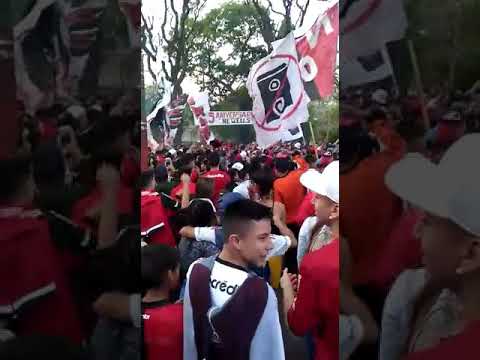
<point>174,118</point>
<point>227,118</point>
<point>279,99</point>
<point>317,51</point>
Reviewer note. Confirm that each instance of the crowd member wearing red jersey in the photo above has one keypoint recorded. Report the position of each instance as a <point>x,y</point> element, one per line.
<point>29,298</point>
<point>155,226</point>
<point>221,178</point>
<point>315,307</point>
<point>162,320</point>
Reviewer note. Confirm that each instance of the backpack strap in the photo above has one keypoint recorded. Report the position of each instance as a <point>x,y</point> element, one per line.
<point>199,290</point>
<point>234,341</point>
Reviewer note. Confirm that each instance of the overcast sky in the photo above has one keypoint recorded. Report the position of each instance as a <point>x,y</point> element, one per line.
<point>155,8</point>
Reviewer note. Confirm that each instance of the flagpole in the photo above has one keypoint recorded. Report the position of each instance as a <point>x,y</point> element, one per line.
<point>311,131</point>
<point>418,81</point>
<point>386,56</point>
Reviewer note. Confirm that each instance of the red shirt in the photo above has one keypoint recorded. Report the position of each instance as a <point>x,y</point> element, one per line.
<point>462,346</point>
<point>163,331</point>
<point>92,200</point>
<point>154,214</point>
<point>316,306</point>
<point>177,190</point>
<point>221,179</point>
<point>306,208</point>
<point>33,282</point>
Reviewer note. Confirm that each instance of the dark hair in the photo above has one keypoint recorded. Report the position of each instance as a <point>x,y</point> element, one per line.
<point>48,164</point>
<point>264,178</point>
<point>213,159</point>
<point>237,216</point>
<point>161,173</point>
<point>205,188</point>
<point>200,213</point>
<point>41,347</point>
<point>157,259</point>
<point>15,171</point>
<point>146,178</point>
<point>375,114</point>
<point>355,144</point>
<point>282,165</point>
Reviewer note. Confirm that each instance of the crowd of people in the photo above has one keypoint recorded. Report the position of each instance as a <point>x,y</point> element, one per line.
<point>69,225</point>
<point>225,228</point>
<point>409,225</point>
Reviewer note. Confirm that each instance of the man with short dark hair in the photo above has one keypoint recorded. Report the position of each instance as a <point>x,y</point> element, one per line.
<point>221,178</point>
<point>154,223</point>
<point>219,289</point>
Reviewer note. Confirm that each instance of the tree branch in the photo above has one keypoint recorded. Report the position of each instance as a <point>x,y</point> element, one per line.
<point>303,12</point>
<point>270,7</point>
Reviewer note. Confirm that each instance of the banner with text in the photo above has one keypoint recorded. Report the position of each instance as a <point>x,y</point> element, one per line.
<point>227,118</point>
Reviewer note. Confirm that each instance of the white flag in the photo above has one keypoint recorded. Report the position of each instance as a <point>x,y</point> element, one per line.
<point>200,108</point>
<point>279,99</point>
<point>366,25</point>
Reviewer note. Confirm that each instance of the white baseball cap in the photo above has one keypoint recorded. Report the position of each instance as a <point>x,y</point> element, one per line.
<point>237,166</point>
<point>450,189</point>
<point>298,145</point>
<point>326,183</point>
<point>172,152</point>
<point>380,96</point>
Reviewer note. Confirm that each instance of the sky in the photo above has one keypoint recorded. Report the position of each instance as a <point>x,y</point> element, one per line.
<point>155,8</point>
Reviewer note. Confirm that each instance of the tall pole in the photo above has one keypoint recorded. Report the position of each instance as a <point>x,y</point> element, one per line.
<point>418,81</point>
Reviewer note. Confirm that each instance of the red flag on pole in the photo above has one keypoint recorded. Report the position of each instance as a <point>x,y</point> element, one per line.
<point>317,50</point>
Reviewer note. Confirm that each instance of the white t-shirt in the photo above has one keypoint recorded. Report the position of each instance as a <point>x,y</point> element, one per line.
<point>242,189</point>
<point>280,243</point>
<point>225,280</point>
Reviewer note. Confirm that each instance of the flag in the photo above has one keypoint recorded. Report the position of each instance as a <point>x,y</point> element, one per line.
<point>42,55</point>
<point>279,99</point>
<point>317,51</point>
<point>83,22</point>
<point>292,134</point>
<point>200,108</point>
<point>132,9</point>
<point>365,69</point>
<point>174,117</point>
<point>366,25</point>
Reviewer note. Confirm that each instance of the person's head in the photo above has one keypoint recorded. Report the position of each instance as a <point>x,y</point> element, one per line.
<point>247,230</point>
<point>449,196</point>
<point>238,172</point>
<point>201,213</point>
<point>161,174</point>
<point>17,186</point>
<point>282,166</point>
<point>205,188</point>
<point>327,193</point>
<point>49,165</point>
<point>213,159</point>
<point>355,145</point>
<point>114,134</point>
<point>147,180</point>
<point>263,180</point>
<point>160,267</point>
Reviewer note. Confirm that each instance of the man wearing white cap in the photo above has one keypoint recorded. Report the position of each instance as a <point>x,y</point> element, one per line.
<point>449,194</point>
<point>314,308</point>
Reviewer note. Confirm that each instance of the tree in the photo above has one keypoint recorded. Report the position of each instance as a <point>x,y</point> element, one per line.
<point>177,39</point>
<point>225,49</point>
<point>271,31</point>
